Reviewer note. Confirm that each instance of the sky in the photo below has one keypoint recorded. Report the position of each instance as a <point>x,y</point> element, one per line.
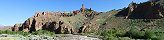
<point>17,11</point>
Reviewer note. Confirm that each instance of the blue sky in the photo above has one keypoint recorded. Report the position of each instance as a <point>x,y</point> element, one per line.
<point>17,11</point>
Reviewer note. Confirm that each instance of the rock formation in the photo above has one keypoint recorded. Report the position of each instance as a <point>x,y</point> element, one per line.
<point>145,10</point>
<point>132,6</point>
<point>58,22</point>
<point>75,12</point>
<point>38,21</point>
<point>83,9</point>
<point>153,0</point>
<point>85,28</point>
<point>51,21</point>
<point>16,27</point>
<point>63,28</point>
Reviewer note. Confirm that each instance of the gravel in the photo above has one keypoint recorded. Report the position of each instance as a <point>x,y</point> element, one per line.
<point>44,37</point>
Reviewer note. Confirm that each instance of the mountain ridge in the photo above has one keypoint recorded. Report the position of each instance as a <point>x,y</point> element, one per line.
<point>88,20</point>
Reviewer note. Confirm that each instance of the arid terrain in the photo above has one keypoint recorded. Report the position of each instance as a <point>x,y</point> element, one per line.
<point>141,21</point>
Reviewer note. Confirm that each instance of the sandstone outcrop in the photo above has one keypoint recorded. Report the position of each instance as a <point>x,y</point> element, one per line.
<point>51,21</point>
<point>85,28</point>
<point>16,27</point>
<point>75,12</point>
<point>146,10</point>
<point>132,6</point>
<point>39,20</point>
<point>82,9</point>
<point>58,22</point>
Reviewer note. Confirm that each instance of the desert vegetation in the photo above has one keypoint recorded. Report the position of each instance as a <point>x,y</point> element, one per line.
<point>116,34</point>
<point>137,21</point>
<point>40,32</point>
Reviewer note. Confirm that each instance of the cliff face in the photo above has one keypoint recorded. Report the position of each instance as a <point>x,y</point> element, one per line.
<point>41,20</point>
<point>54,21</point>
<point>88,20</point>
<point>77,21</point>
<point>147,10</point>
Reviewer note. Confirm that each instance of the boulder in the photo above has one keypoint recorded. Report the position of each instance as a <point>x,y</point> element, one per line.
<point>51,26</point>
<point>132,6</point>
<point>88,27</point>
<point>82,29</point>
<point>75,12</point>
<point>63,28</point>
<point>16,27</point>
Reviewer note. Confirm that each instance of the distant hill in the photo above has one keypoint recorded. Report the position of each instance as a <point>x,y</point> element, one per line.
<point>1,25</point>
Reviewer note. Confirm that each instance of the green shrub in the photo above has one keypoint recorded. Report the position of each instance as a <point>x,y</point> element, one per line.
<point>125,38</point>
<point>118,38</point>
<point>43,32</point>
<point>7,32</point>
<point>22,33</point>
<point>159,36</point>
<point>39,32</point>
<point>111,38</point>
<point>150,35</point>
<point>137,34</point>
<point>112,34</point>
<point>134,33</point>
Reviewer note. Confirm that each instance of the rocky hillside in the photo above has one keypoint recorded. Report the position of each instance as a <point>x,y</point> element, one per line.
<point>137,21</point>
<point>58,22</point>
<point>145,10</point>
<point>142,15</point>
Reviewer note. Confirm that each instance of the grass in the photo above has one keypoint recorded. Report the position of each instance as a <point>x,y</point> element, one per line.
<point>134,33</point>
<point>117,28</point>
<point>43,32</point>
<point>40,32</point>
<point>131,29</point>
<point>75,21</point>
<point>113,34</point>
<point>128,28</point>
<point>12,32</point>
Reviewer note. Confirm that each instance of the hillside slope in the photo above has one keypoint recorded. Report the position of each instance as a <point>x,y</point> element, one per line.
<point>144,16</point>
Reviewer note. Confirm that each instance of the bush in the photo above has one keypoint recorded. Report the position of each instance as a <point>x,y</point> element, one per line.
<point>111,38</point>
<point>112,34</point>
<point>43,32</point>
<point>124,38</point>
<point>7,32</point>
<point>39,32</point>
<point>159,36</point>
<point>22,33</point>
<point>134,33</point>
<point>150,35</point>
<point>137,34</point>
